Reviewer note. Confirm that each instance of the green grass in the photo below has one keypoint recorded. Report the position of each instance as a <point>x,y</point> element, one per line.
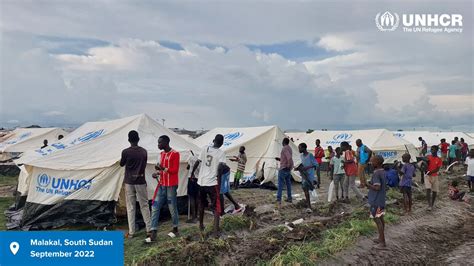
<point>174,250</point>
<point>4,204</point>
<point>394,193</point>
<point>234,223</point>
<point>332,240</point>
<point>6,180</point>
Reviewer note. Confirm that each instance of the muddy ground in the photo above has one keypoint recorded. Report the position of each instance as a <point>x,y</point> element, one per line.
<point>443,236</point>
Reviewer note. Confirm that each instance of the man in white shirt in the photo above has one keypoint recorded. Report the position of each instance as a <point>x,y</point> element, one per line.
<point>213,162</point>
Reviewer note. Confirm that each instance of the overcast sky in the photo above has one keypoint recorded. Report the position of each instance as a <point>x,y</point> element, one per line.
<point>207,64</point>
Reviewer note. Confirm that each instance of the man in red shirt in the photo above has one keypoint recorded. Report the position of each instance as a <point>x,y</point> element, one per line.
<point>167,170</point>
<point>318,155</point>
<point>444,146</point>
<point>431,177</point>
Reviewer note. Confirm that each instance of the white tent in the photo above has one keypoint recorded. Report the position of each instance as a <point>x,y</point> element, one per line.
<point>83,170</point>
<point>262,145</point>
<point>24,139</point>
<point>381,141</point>
<point>412,137</point>
<point>296,136</point>
<point>187,137</point>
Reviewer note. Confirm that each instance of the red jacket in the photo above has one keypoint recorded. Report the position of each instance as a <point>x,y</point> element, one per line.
<point>319,154</point>
<point>170,161</point>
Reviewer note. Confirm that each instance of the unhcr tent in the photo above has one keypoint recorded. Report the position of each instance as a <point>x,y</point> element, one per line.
<point>412,137</point>
<point>262,145</point>
<point>296,136</point>
<point>381,141</point>
<point>80,180</point>
<point>24,139</point>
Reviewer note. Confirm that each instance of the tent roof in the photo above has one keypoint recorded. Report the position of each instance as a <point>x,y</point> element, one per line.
<point>412,137</point>
<point>99,144</point>
<point>381,141</point>
<point>24,139</point>
<point>233,137</point>
<point>262,145</point>
<point>297,136</point>
<point>376,139</point>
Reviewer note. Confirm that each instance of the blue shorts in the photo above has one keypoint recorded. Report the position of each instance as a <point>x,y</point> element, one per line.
<point>225,184</point>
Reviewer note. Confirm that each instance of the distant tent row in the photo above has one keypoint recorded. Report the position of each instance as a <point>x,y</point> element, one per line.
<point>24,139</point>
<point>381,141</point>
<point>433,138</point>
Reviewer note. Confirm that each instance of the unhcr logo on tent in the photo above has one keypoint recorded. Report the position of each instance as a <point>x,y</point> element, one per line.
<point>43,180</point>
<point>88,136</point>
<point>338,138</point>
<point>60,186</point>
<point>229,138</point>
<point>60,146</point>
<point>22,136</point>
<point>400,135</point>
<point>387,154</point>
<point>342,136</point>
<point>387,21</point>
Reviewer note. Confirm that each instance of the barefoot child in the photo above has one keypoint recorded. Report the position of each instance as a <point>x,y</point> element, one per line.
<point>377,192</point>
<point>407,172</point>
<point>307,170</point>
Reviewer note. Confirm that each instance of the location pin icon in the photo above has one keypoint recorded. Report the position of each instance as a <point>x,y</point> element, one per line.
<point>14,247</point>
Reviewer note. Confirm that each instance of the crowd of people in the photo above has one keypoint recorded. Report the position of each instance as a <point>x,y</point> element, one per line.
<point>209,179</point>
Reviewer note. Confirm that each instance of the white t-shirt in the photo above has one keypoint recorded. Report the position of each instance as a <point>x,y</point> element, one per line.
<point>338,162</point>
<point>210,158</point>
<point>470,166</point>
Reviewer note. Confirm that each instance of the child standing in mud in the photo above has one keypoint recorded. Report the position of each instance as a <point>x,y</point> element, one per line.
<point>376,197</point>
<point>337,164</point>
<point>308,165</point>
<point>407,172</point>
<point>431,177</point>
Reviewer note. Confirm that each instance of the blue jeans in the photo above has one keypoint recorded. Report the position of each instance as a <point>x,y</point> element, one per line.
<point>168,195</point>
<point>284,176</point>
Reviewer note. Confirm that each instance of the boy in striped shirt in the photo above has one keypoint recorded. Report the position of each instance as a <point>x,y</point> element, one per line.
<point>241,161</point>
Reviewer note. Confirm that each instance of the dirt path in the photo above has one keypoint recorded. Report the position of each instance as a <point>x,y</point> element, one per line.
<point>444,236</point>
